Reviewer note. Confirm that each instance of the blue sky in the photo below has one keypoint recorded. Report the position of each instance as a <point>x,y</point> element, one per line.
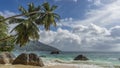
<point>86,25</point>
<point>66,8</point>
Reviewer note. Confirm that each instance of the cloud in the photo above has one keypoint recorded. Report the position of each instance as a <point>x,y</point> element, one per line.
<point>96,2</point>
<point>90,34</point>
<point>57,0</point>
<point>101,2</point>
<point>66,0</point>
<point>106,15</point>
<point>7,13</point>
<point>83,38</point>
<point>60,38</point>
<point>115,31</point>
<point>67,19</point>
<point>75,0</point>
<point>99,31</point>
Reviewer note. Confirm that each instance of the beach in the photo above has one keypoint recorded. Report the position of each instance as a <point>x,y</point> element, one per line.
<point>59,34</point>
<point>65,60</point>
<point>51,66</point>
<point>18,66</point>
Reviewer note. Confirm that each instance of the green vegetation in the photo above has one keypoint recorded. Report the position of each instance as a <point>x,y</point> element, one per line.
<point>28,23</point>
<point>8,44</point>
<point>49,17</point>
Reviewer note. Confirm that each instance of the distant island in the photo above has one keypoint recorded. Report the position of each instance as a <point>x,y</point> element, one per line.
<point>36,46</point>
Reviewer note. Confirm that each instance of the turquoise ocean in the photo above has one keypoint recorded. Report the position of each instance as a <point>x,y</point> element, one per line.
<point>104,59</point>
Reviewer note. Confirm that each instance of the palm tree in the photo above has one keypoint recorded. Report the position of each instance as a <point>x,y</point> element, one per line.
<point>3,28</point>
<point>5,45</point>
<point>27,28</point>
<point>49,17</point>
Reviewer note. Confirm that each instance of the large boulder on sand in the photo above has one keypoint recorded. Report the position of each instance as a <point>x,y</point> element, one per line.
<point>55,52</point>
<point>21,59</point>
<point>6,58</point>
<point>35,60</point>
<point>81,57</point>
<point>28,59</point>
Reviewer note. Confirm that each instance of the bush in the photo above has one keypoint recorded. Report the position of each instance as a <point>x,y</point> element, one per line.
<point>7,45</point>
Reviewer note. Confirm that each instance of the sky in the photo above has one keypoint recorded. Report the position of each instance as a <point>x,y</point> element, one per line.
<point>86,25</point>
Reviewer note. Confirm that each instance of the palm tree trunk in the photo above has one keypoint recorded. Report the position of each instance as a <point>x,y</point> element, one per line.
<point>19,15</point>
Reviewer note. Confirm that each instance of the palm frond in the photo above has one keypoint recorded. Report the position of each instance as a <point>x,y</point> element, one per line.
<point>16,20</point>
<point>22,10</point>
<point>53,8</point>
<point>46,6</point>
<point>31,7</point>
<point>27,29</point>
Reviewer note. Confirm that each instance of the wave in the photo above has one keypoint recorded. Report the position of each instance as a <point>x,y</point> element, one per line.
<point>71,64</point>
<point>113,59</point>
<point>80,64</point>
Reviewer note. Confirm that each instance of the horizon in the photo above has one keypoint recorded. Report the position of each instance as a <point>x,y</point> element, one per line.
<point>86,25</point>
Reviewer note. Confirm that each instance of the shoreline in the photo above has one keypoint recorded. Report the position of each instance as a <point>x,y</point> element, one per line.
<point>55,61</point>
<point>58,65</point>
<point>51,66</point>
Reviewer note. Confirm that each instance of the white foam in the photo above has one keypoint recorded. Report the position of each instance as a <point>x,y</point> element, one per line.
<point>114,59</point>
<point>76,65</point>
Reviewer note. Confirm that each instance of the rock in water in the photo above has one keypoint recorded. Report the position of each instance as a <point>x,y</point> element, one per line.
<point>81,57</point>
<point>55,52</point>
<point>28,59</point>
<point>6,58</point>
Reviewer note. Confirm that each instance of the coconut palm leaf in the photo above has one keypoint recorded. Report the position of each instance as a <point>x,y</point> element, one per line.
<point>16,20</point>
<point>49,17</point>
<point>22,10</point>
<point>27,28</point>
<point>3,28</point>
<point>53,8</point>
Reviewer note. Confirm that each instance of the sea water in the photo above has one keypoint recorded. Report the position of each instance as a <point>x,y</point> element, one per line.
<point>104,59</point>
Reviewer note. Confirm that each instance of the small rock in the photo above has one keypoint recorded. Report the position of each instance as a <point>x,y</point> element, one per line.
<point>55,52</point>
<point>81,57</point>
<point>42,56</point>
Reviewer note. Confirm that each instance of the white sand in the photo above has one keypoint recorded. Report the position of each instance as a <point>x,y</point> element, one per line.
<point>52,66</point>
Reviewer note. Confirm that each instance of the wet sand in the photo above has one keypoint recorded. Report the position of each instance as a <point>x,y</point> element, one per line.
<point>28,66</point>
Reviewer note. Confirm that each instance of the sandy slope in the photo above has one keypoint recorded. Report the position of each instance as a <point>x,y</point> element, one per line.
<point>18,66</point>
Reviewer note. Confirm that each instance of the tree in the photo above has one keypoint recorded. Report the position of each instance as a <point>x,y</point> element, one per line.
<point>27,28</point>
<point>6,45</point>
<point>3,28</point>
<point>49,17</point>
